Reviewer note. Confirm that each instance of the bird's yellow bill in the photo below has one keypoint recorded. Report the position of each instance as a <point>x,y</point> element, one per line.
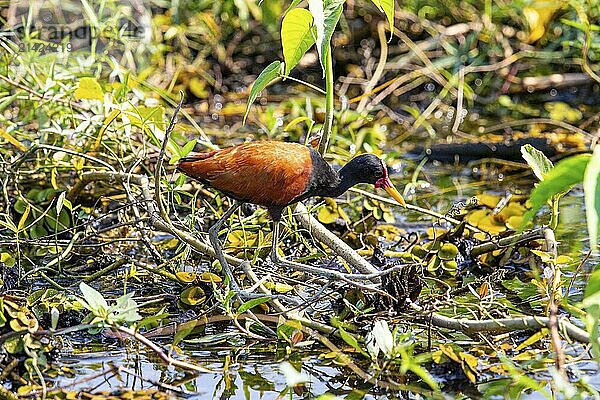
<point>392,191</point>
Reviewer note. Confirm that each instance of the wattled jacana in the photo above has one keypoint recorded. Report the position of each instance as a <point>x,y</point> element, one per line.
<point>277,174</point>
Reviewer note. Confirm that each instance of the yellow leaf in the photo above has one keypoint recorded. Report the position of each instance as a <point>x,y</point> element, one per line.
<point>53,182</point>
<point>193,296</point>
<point>488,200</point>
<point>449,352</point>
<point>527,355</point>
<point>560,111</point>
<point>89,88</point>
<point>469,366</point>
<point>326,215</point>
<point>434,233</point>
<point>198,88</point>
<point>563,259</point>
<point>210,277</point>
<point>544,256</point>
<point>480,236</point>
<point>186,277</point>
<point>24,218</point>
<point>438,357</point>
<point>12,140</point>
<point>283,288</point>
<point>536,337</point>
<point>538,16</point>
<point>514,222</point>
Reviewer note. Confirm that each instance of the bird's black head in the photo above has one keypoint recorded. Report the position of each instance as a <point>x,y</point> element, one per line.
<point>366,168</point>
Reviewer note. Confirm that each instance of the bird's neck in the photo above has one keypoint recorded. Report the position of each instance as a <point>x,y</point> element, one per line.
<point>340,186</point>
<point>345,182</point>
<point>326,182</point>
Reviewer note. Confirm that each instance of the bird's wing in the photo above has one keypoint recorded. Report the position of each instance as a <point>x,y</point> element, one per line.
<point>264,173</point>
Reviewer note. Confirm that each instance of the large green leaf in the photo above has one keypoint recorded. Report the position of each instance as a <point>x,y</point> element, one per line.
<point>387,7</point>
<point>326,16</point>
<point>561,178</point>
<point>95,302</point>
<point>317,10</point>
<point>537,161</point>
<point>592,196</point>
<point>268,75</point>
<point>333,11</point>
<point>297,36</point>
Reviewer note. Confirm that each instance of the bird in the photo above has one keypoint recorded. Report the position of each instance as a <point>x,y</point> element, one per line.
<point>275,175</point>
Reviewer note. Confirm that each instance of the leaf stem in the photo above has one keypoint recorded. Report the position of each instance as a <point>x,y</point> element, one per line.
<point>327,127</point>
<point>310,85</point>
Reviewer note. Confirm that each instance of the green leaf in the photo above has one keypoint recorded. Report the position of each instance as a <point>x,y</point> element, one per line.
<point>537,160</point>
<point>591,303</point>
<point>95,301</point>
<point>387,7</point>
<point>593,285</point>
<point>7,259</point>
<point>252,303</point>
<point>269,74</point>
<point>88,88</point>
<point>325,22</point>
<point>297,36</point>
<point>591,190</point>
<point>184,330</point>
<point>296,121</point>
<point>318,13</point>
<point>561,178</point>
<point>352,341</point>
<point>188,147</point>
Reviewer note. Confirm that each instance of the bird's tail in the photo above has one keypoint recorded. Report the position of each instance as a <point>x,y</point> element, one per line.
<point>196,157</point>
<point>197,165</point>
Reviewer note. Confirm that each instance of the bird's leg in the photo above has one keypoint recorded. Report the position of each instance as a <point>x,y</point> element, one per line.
<point>274,242</point>
<point>213,235</point>
<point>275,258</point>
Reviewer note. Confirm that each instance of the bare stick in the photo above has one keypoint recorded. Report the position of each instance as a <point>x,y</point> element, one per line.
<point>500,325</point>
<point>323,235</point>
<point>163,356</point>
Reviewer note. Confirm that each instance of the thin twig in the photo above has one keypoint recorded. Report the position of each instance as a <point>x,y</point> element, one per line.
<point>163,356</point>
<point>551,247</point>
<point>531,121</point>
<point>159,161</point>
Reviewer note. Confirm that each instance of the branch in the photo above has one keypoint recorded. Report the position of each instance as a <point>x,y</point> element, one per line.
<point>325,236</point>
<point>500,325</point>
<point>512,240</point>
